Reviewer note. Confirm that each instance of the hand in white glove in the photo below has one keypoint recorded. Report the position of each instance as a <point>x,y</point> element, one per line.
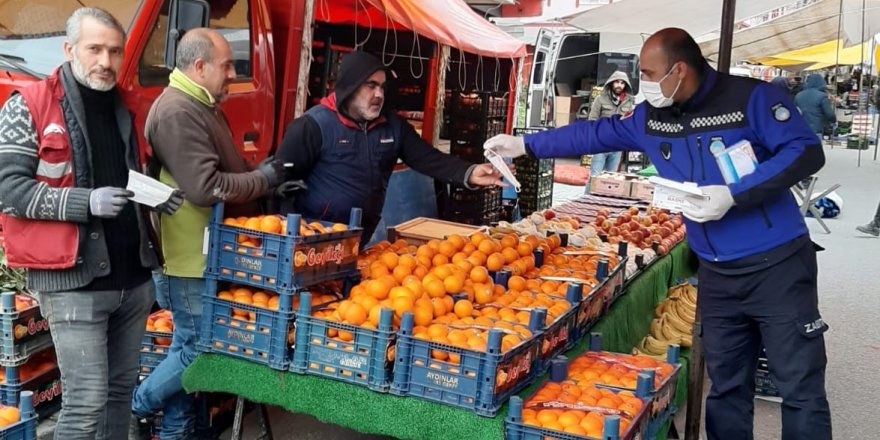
<point>506,145</point>
<point>715,202</point>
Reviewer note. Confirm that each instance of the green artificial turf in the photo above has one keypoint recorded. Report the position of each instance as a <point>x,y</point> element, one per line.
<point>366,411</point>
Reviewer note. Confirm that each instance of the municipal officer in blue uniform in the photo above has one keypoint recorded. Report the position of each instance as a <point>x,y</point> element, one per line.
<point>758,266</point>
<point>346,147</point>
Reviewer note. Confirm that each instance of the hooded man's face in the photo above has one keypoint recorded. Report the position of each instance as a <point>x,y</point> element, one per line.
<point>366,103</point>
<point>618,87</point>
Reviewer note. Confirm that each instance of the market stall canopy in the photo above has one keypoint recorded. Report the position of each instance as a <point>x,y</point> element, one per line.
<point>816,24</point>
<point>827,54</point>
<point>449,22</point>
<point>698,17</point>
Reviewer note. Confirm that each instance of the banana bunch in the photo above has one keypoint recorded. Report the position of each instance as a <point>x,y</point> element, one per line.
<point>673,324</point>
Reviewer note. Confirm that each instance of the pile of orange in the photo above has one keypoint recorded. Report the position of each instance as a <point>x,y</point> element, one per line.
<point>161,322</point>
<point>9,415</point>
<point>618,370</point>
<point>538,413</point>
<point>276,224</point>
<point>37,364</point>
<point>421,279</point>
<point>24,302</point>
<point>265,300</point>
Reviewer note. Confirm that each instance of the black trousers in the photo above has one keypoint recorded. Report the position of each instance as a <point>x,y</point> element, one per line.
<point>779,307</point>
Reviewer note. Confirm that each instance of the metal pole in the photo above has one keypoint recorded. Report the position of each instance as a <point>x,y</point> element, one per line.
<point>861,86</point>
<point>726,42</point>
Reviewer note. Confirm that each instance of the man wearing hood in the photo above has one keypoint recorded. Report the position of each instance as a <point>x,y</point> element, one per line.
<point>814,104</point>
<point>616,99</point>
<point>346,147</point>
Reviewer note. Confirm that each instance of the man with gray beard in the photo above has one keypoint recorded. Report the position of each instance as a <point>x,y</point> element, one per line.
<point>66,147</point>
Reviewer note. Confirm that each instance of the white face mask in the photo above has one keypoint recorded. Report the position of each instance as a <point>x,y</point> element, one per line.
<point>654,93</point>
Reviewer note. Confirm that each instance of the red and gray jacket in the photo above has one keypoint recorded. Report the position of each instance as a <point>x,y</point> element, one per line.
<point>45,183</point>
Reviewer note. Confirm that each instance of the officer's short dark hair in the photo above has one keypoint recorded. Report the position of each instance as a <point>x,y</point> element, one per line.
<point>680,46</point>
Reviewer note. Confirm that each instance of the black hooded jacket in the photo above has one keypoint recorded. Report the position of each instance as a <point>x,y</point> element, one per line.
<point>347,163</point>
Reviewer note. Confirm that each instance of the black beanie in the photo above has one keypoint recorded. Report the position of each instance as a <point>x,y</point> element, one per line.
<point>356,68</point>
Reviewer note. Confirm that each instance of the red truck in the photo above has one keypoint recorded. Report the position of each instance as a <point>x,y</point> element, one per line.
<point>265,36</point>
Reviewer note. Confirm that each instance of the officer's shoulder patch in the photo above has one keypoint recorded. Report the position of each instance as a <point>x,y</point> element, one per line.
<point>780,112</point>
<point>627,115</point>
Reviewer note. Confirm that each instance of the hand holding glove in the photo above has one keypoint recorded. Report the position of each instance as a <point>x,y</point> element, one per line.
<point>715,202</point>
<point>506,145</point>
<point>108,201</point>
<point>274,171</point>
<point>170,206</point>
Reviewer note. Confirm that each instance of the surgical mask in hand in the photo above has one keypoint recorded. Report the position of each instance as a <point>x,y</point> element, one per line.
<point>654,93</point>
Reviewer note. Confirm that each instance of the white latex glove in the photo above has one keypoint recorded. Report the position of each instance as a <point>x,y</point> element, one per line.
<point>715,202</point>
<point>506,145</point>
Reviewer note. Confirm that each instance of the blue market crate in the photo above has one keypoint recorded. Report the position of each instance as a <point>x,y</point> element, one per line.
<point>558,335</point>
<point>25,332</point>
<point>658,421</point>
<point>595,304</point>
<point>282,263</point>
<point>26,427</point>
<point>44,382</point>
<point>480,381</point>
<point>362,357</point>
<point>516,429</point>
<point>662,394</point>
<point>154,349</point>
<point>252,333</point>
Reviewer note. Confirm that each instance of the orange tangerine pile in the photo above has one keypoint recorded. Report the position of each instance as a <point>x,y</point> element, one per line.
<point>276,224</point>
<point>618,370</point>
<point>161,322</point>
<point>263,299</point>
<point>24,302</point>
<point>9,415</point>
<point>577,419</point>
<point>37,364</point>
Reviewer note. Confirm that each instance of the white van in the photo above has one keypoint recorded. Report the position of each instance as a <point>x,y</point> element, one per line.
<point>571,63</point>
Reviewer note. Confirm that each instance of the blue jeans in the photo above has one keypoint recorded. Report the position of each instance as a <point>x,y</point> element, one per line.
<point>97,336</point>
<point>162,390</point>
<point>603,162</point>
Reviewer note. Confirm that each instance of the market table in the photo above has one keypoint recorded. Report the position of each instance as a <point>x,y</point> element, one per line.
<point>362,410</point>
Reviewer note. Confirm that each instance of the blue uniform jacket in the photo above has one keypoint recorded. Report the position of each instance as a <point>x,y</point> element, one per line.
<point>677,139</point>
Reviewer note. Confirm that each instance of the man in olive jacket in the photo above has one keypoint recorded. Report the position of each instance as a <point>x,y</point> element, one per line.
<point>193,143</point>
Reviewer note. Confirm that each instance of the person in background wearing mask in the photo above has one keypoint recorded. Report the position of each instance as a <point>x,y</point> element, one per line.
<point>67,145</point>
<point>346,147</point>
<point>194,151</point>
<point>616,99</point>
<point>814,104</point>
<point>757,263</point>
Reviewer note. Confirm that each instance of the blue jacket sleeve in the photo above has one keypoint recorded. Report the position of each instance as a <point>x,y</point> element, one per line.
<point>615,133</point>
<point>795,151</point>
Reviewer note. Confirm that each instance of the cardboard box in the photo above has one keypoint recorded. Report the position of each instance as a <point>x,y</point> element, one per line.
<point>563,119</point>
<point>569,104</point>
<point>610,184</point>
<point>641,189</point>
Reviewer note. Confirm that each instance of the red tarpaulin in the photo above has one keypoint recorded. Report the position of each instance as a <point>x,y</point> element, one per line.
<point>449,22</point>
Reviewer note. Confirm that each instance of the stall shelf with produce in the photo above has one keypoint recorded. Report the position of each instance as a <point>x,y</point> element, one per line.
<point>366,411</point>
